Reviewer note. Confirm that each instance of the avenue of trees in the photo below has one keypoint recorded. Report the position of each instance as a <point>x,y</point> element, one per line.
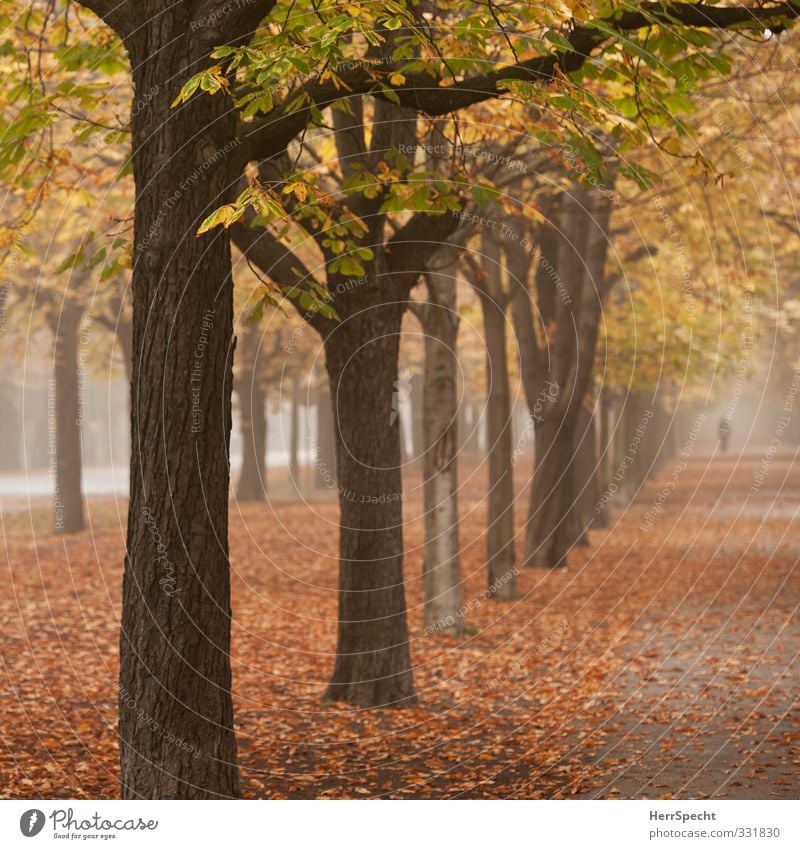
<point>357,167</point>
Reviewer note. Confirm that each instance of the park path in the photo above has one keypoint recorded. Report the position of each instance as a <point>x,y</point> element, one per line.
<point>706,705</point>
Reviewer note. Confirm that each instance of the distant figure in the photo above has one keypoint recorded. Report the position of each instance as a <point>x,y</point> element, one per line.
<point>724,432</point>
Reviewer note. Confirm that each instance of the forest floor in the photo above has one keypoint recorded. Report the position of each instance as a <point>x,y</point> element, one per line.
<point>663,663</point>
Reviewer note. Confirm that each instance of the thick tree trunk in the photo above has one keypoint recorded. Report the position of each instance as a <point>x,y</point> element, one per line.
<point>252,485</point>
<point>68,510</point>
<point>577,283</point>
<point>443,607</point>
<point>501,555</point>
<point>373,665</point>
<point>176,712</point>
<point>550,531</point>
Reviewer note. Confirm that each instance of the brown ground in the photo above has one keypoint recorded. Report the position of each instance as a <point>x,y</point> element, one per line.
<point>662,664</point>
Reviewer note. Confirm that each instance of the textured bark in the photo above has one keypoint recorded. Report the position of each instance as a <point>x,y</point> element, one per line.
<point>549,530</point>
<point>373,665</point>
<point>68,509</point>
<point>443,605</point>
<point>501,555</point>
<point>176,712</point>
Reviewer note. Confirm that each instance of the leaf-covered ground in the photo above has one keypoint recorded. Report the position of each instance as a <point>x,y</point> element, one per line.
<point>663,663</point>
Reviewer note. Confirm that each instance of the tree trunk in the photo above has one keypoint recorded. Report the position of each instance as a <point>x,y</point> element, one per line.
<point>578,285</point>
<point>469,415</point>
<point>124,335</point>
<point>252,484</point>
<point>633,466</point>
<point>325,456</point>
<point>294,436</point>
<point>11,427</point>
<point>549,531</point>
<point>443,607</point>
<point>68,511</point>
<point>416,397</point>
<point>584,469</point>
<point>176,712</point>
<point>602,506</point>
<point>373,665</point>
<point>501,554</point>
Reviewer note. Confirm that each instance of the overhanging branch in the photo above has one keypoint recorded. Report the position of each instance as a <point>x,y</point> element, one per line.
<point>424,93</point>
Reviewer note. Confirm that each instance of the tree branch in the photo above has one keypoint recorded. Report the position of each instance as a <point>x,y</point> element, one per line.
<point>280,264</point>
<point>425,93</point>
<point>411,248</point>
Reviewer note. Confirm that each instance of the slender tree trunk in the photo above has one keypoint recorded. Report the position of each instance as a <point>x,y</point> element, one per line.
<point>468,427</point>
<point>373,665</point>
<point>634,464</point>
<point>37,441</point>
<point>124,333</point>
<point>68,510</point>
<point>602,506</point>
<point>325,459</point>
<point>418,440</point>
<point>252,484</point>
<point>11,427</point>
<point>443,607</point>
<point>176,712</point>
<point>294,436</point>
<point>584,475</point>
<point>502,578</point>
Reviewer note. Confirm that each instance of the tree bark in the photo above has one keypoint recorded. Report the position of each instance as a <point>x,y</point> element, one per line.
<point>549,531</point>
<point>176,711</point>
<point>294,436</point>
<point>325,456</point>
<point>575,284</point>
<point>443,605</point>
<point>584,470</point>
<point>11,427</point>
<point>501,555</point>
<point>252,485</point>
<point>68,509</point>
<point>605,459</point>
<point>124,334</point>
<point>373,664</point>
